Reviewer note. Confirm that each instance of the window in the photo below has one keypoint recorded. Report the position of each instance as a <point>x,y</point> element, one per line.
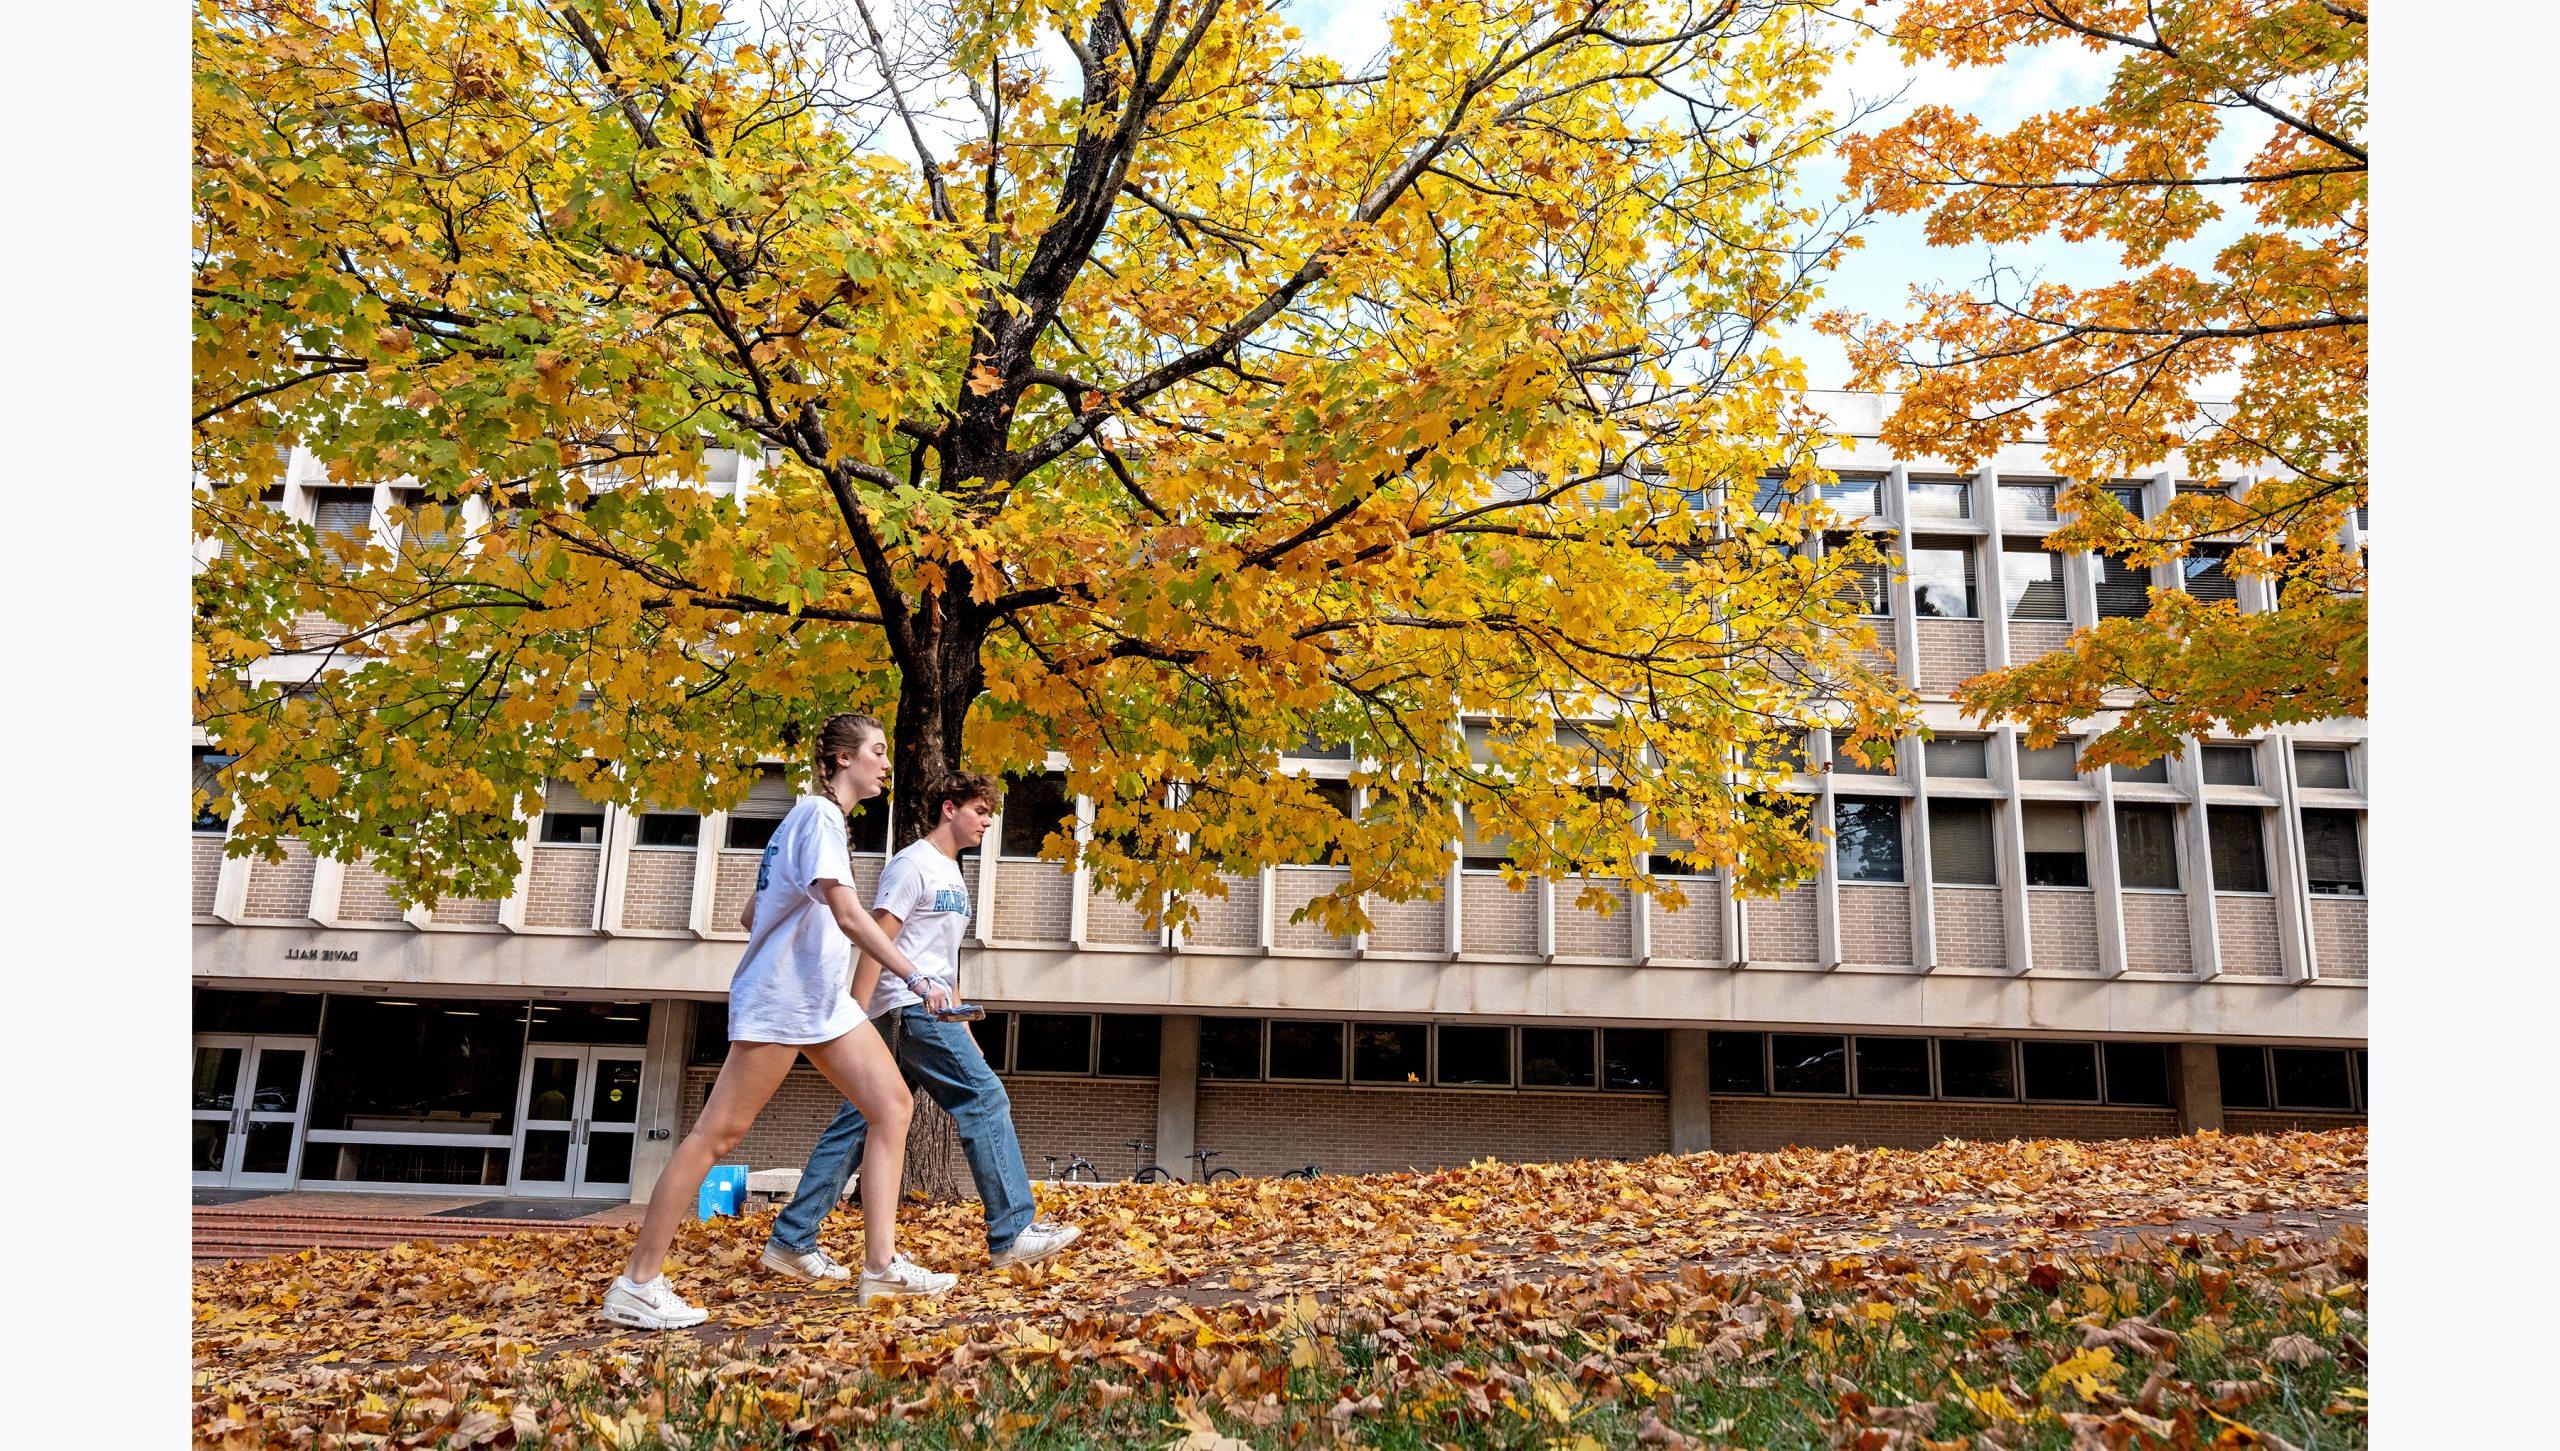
<point>1960,844</point>
<point>1337,795</point>
<point>1230,1048</point>
<point>2057,762</point>
<point>1474,1057</point>
<point>2312,1078</point>
<point>227,1010</point>
<point>1844,762</point>
<point>2239,848</point>
<point>444,1065</point>
<point>2205,572</point>
<point>615,1022</point>
<point>2065,1071</point>
<point>1560,1058</point>
<point>2147,846</point>
<point>1390,1052</point>
<point>2244,1077</point>
<point>1670,858</point>
<point>1942,580</point>
<point>2230,766</point>
<point>1977,1068</point>
<point>1737,1063</point>
<point>2031,581</point>
<point>1959,757</point>
<point>2057,845</point>
<point>2130,496</point>
<point>568,817</point>
<point>769,800</point>
<point>2124,590</point>
<point>711,1035</point>
<point>1769,497</point>
<point>1035,806</point>
<point>1132,1045</point>
<point>1806,1063</point>
<point>867,828</point>
<point>1789,752</point>
<point>720,465</point>
<point>1062,1043</point>
<point>1316,748</point>
<point>670,828</point>
<point>1631,1060</point>
<point>1307,1051</point>
<point>2138,1073</point>
<point>993,1032</point>
<point>1893,1067</point>
<point>1852,497</point>
<point>2154,772</point>
<point>1480,851</point>
<point>1939,499</point>
<point>1867,839</point>
<point>2330,856</point>
<point>343,514</point>
<point>2322,768</point>
<point>2027,504</point>
<point>208,783</point>
<point>1874,589</point>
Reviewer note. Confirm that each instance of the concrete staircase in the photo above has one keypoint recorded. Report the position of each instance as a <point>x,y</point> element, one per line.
<point>245,1233</point>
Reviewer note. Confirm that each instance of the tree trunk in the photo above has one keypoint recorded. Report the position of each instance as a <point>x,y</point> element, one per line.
<point>933,711</point>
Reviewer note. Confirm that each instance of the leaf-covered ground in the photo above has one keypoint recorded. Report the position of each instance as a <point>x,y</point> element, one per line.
<point>2148,1292</point>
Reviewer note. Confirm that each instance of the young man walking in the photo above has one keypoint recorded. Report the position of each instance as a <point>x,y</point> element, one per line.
<point>923,903</point>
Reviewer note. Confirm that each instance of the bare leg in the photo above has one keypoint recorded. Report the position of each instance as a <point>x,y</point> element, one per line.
<point>861,1067</point>
<point>747,1081</point>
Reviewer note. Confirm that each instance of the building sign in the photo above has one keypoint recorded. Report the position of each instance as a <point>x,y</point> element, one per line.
<point>321,954</point>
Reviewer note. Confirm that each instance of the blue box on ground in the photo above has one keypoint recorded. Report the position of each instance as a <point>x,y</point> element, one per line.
<point>724,1191</point>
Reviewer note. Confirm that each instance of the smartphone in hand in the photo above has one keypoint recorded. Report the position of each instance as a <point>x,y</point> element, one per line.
<point>959,1013</point>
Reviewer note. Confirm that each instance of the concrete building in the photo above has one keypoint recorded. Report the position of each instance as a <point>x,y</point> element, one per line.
<point>1997,946</point>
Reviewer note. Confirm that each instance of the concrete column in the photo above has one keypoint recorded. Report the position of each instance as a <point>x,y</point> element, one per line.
<point>661,1092</point>
<point>1177,1089</point>
<point>328,886</point>
<point>2195,1081</point>
<point>1686,1067</point>
<point>706,871</point>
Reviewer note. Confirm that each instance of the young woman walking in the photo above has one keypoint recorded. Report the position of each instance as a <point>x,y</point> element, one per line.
<point>791,997</point>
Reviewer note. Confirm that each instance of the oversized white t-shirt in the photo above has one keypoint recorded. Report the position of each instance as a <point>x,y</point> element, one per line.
<point>931,899</point>
<point>796,983</point>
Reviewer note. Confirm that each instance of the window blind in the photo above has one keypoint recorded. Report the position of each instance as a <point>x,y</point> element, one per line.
<point>2057,762</point>
<point>1961,757</point>
<point>2321,768</point>
<point>771,795</point>
<point>1960,844</point>
<point>2239,848</point>
<point>2230,766</point>
<point>2031,581</point>
<point>2207,575</point>
<point>2055,826</point>
<point>2329,855</point>
<point>2147,846</point>
<point>344,513</point>
<point>2124,591</point>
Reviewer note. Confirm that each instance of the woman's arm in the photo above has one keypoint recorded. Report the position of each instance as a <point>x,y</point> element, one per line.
<point>874,943</point>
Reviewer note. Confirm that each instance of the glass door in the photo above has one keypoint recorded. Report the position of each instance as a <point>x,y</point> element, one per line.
<point>249,1096</point>
<point>578,1120</point>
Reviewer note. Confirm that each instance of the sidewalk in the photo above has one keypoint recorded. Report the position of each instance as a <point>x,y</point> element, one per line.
<point>233,1225</point>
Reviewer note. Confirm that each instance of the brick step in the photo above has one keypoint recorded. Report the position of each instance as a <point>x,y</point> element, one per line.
<point>250,1235</point>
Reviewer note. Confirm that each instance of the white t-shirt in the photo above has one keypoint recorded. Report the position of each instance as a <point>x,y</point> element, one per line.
<point>931,899</point>
<point>796,983</point>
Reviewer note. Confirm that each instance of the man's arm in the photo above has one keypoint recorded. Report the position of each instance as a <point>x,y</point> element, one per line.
<point>747,916</point>
<point>866,972</point>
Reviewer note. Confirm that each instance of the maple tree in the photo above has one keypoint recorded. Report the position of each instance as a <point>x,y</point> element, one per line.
<point>1169,414</point>
<point>2116,378</point>
<point>2199,1291</point>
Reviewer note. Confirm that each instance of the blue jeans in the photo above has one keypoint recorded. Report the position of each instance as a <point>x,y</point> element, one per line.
<point>944,1061</point>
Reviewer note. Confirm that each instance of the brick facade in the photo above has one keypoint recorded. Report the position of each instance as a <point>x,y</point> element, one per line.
<point>2337,935</point>
<point>733,882</point>
<point>1262,1128</point>
<point>2155,933</point>
<point>2245,928</point>
<point>1950,653</point>
<point>1499,922</point>
<point>2062,928</point>
<point>1971,928</point>
<point>1695,933</point>
<point>1418,926</point>
<point>281,889</point>
<point>1875,924</point>
<point>364,895</point>
<point>465,912</point>
<point>560,891</point>
<point>1291,889</point>
<point>1583,932</point>
<point>1234,920</point>
<point>205,857</point>
<point>1108,919</point>
<point>657,889</point>
<point>1781,929</point>
<point>2032,639</point>
<point>1033,901</point>
<point>1741,1123</point>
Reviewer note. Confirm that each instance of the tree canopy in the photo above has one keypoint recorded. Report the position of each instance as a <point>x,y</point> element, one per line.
<point>1129,383</point>
<point>2254,362</point>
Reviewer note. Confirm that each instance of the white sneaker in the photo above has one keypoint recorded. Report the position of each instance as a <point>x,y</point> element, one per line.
<point>653,1306</point>
<point>904,1277</point>
<point>1039,1239</point>
<point>817,1264</point>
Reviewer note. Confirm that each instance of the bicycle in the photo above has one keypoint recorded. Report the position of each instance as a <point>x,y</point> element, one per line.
<point>1207,1174</point>
<point>1144,1172</point>
<point>1308,1173</point>
<point>1080,1170</point>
